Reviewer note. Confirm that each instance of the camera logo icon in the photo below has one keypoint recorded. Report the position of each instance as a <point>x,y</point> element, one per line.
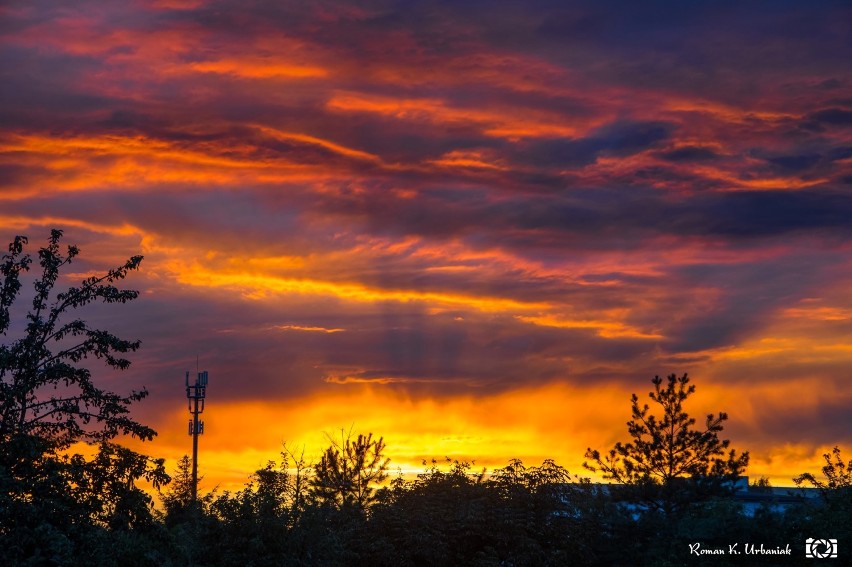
<point>820,548</point>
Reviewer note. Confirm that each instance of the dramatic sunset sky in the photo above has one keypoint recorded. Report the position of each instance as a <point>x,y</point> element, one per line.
<point>471,227</point>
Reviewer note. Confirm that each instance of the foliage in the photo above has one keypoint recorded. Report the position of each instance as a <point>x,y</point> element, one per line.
<point>257,525</point>
<point>106,485</point>
<point>838,474</point>
<point>668,460</point>
<point>518,515</point>
<point>834,513</point>
<point>51,501</point>
<point>255,521</point>
<point>42,391</point>
<point>453,514</point>
<point>178,498</point>
<point>348,470</point>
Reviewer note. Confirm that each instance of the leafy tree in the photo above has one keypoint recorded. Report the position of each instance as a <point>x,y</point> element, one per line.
<point>518,515</point>
<point>834,513</point>
<point>42,391</point>
<point>551,516</point>
<point>48,402</point>
<point>441,518</point>
<point>254,521</point>
<point>669,461</point>
<point>262,523</point>
<point>517,475</point>
<point>762,484</point>
<point>299,470</point>
<point>106,484</point>
<point>348,470</point>
<point>838,475</point>
<point>177,499</point>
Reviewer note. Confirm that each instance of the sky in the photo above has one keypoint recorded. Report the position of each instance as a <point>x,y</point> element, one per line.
<point>473,228</point>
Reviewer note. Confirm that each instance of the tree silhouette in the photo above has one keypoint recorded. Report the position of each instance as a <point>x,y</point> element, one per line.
<point>348,469</point>
<point>42,391</point>
<point>48,402</point>
<point>106,485</point>
<point>838,475</point>
<point>665,452</point>
<point>834,515</point>
<point>177,499</point>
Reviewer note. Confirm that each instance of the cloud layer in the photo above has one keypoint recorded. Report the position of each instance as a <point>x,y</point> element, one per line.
<point>445,212</point>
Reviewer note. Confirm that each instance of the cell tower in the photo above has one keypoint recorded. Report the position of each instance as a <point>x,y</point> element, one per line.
<point>195,395</point>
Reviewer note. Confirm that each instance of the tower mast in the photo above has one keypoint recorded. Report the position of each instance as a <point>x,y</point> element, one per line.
<point>195,395</point>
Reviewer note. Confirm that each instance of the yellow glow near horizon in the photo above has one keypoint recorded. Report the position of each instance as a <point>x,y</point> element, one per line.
<point>532,424</point>
<point>555,421</point>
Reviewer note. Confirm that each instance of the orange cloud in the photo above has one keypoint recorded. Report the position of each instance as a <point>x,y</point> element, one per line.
<point>494,122</point>
<point>820,313</point>
<point>79,163</point>
<point>607,329</point>
<point>258,69</point>
<point>306,329</point>
<point>257,286</point>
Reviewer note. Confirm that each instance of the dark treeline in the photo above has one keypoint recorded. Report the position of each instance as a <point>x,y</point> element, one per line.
<point>451,514</point>
<point>672,487</point>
